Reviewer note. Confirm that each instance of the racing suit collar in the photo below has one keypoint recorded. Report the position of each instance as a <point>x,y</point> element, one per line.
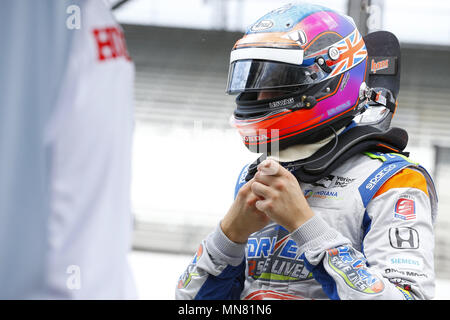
<point>301,151</point>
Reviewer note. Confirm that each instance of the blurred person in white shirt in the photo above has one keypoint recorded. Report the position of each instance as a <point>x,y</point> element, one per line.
<point>66,121</point>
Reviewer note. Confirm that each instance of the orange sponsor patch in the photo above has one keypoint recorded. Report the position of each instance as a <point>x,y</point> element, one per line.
<point>381,65</point>
<point>407,178</point>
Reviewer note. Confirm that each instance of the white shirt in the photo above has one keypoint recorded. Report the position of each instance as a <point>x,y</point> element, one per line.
<point>89,138</point>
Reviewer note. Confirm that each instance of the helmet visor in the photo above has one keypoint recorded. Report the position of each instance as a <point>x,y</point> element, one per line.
<point>256,75</point>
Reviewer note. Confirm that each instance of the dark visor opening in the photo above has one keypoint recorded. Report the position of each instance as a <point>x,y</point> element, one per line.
<point>255,75</point>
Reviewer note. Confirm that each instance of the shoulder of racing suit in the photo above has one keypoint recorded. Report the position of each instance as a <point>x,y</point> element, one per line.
<point>397,171</point>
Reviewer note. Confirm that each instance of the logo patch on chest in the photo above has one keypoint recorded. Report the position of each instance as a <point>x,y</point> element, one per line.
<point>405,208</point>
<point>332,181</point>
<point>275,259</point>
<point>322,194</point>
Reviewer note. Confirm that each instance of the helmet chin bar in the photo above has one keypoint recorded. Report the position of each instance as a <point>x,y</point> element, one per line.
<point>302,97</point>
<point>307,101</point>
<point>249,108</point>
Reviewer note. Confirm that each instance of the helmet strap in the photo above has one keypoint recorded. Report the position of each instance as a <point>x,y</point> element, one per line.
<point>385,98</point>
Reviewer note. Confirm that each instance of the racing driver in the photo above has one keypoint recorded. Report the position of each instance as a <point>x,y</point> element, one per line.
<point>333,208</point>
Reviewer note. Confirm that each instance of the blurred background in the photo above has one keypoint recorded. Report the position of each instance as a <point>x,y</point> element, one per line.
<point>186,158</point>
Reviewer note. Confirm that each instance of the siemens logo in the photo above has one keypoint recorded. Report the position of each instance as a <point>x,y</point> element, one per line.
<point>406,261</point>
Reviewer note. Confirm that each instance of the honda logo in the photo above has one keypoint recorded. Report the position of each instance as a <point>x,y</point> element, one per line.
<point>404,238</point>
